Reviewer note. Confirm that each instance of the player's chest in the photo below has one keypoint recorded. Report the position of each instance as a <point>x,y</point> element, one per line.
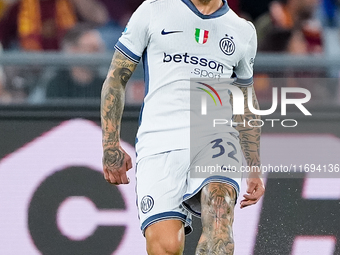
<point>197,39</point>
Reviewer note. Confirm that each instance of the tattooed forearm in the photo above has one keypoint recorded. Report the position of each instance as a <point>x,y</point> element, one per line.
<point>249,135</point>
<point>112,99</point>
<point>121,69</point>
<point>217,203</point>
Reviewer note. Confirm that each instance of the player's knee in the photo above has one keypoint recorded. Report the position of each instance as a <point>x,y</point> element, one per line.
<point>166,237</point>
<point>164,245</point>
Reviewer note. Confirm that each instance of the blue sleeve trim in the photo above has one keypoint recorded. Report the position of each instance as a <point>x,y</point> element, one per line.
<point>127,53</point>
<point>223,179</point>
<point>243,82</point>
<point>168,215</point>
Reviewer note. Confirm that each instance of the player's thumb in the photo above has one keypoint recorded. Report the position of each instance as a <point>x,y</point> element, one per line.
<point>128,163</point>
<point>251,187</point>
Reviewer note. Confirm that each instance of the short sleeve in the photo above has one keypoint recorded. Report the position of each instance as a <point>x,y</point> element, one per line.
<point>244,69</point>
<point>136,34</point>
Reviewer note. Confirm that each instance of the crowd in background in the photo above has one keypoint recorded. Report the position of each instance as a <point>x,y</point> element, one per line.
<point>93,26</point>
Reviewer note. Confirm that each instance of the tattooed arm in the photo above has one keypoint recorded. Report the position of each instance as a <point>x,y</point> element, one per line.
<point>115,160</point>
<point>250,143</point>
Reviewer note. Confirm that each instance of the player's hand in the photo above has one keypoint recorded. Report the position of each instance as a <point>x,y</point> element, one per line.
<point>115,164</point>
<point>255,190</point>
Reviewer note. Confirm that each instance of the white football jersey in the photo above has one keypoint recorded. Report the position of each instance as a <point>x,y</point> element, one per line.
<point>177,43</point>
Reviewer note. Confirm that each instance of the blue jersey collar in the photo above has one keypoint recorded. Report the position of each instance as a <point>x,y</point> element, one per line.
<point>223,10</point>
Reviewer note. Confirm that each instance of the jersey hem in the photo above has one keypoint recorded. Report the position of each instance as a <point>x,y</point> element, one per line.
<point>167,216</point>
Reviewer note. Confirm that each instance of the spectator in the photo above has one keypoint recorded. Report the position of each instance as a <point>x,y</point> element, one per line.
<point>120,11</point>
<point>39,24</point>
<point>292,15</point>
<point>32,29</point>
<point>78,82</point>
<point>5,96</point>
<point>284,40</point>
<point>254,9</point>
<point>3,6</point>
<point>91,11</point>
<point>119,14</point>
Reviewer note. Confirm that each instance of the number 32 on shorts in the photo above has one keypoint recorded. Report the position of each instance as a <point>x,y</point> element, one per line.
<point>219,144</point>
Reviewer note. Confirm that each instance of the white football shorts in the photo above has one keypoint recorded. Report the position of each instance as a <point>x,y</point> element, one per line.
<point>165,189</point>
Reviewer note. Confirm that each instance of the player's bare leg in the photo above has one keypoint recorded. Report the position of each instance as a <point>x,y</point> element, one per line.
<point>165,238</point>
<point>217,202</point>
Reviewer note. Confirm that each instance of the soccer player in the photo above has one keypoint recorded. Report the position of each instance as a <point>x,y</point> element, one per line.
<point>179,40</point>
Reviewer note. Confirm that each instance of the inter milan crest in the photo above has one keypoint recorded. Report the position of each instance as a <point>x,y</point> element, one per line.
<point>201,35</point>
<point>227,45</point>
<point>146,204</point>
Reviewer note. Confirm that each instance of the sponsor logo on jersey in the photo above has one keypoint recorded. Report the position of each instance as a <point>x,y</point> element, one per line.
<point>169,32</point>
<point>201,35</point>
<point>193,60</point>
<point>227,45</point>
<point>146,204</point>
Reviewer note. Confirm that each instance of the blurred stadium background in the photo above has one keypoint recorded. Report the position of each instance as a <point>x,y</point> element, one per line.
<point>53,198</point>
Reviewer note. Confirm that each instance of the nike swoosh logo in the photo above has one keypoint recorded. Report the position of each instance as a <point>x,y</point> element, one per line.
<point>169,32</point>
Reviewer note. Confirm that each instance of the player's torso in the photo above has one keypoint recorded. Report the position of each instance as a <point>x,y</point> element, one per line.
<point>184,45</point>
